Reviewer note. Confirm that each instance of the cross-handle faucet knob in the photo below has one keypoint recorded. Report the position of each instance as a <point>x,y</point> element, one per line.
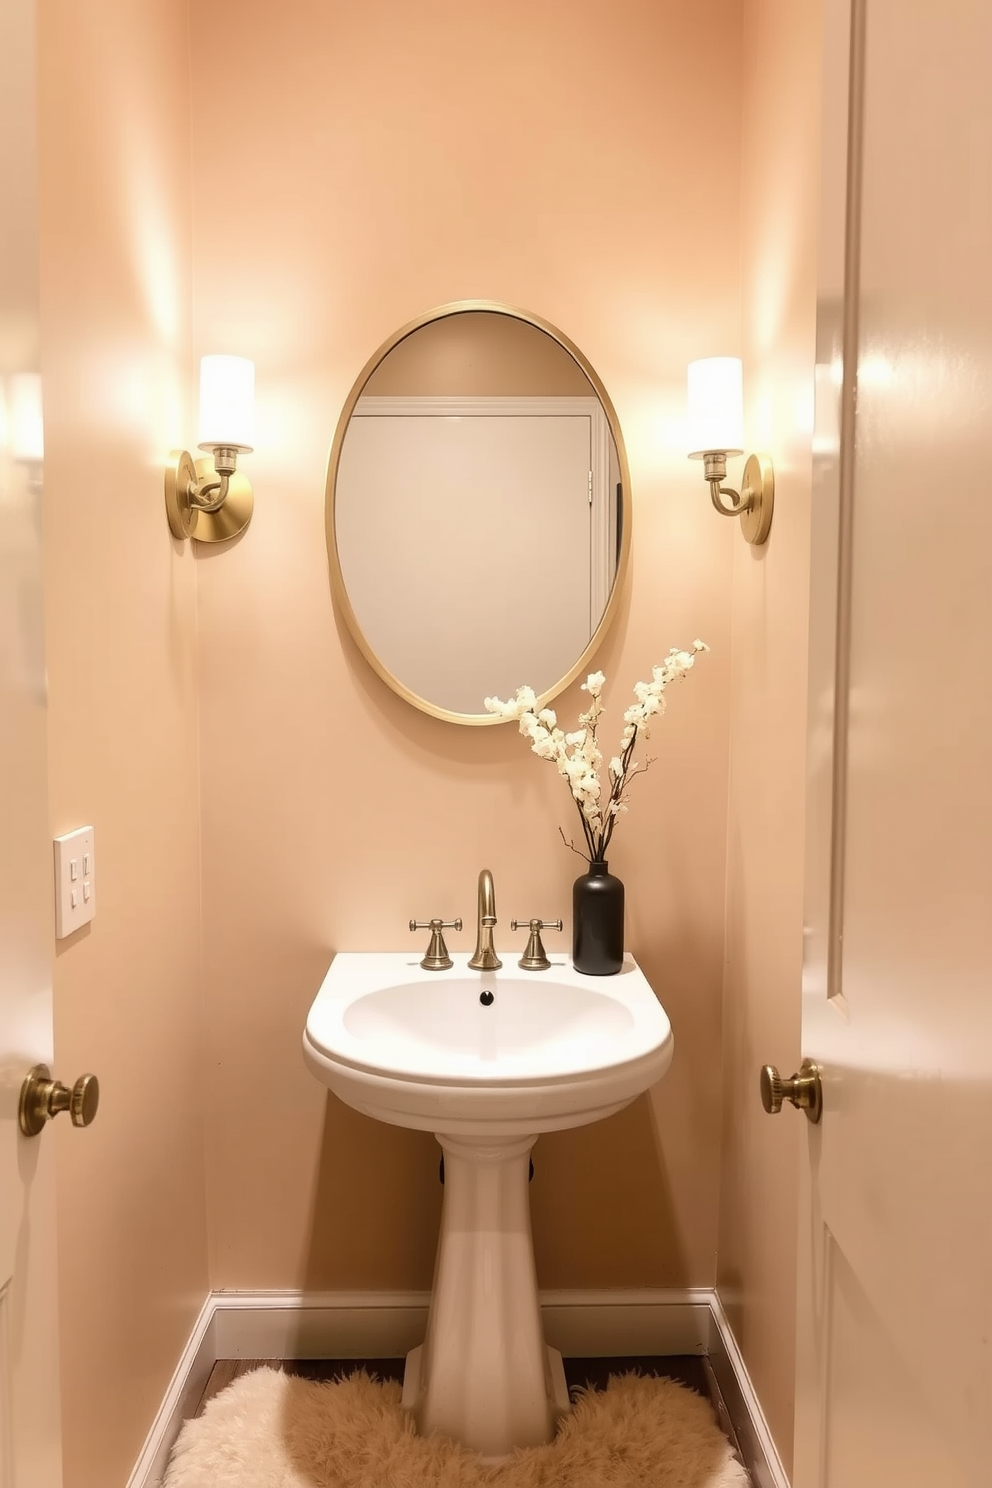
<point>534,958</point>
<point>437,958</point>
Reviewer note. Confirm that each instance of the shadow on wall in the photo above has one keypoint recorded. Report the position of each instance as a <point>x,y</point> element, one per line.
<point>376,1205</point>
<point>610,1179</point>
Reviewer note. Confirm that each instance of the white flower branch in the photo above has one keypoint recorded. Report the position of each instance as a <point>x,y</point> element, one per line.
<point>577,755</point>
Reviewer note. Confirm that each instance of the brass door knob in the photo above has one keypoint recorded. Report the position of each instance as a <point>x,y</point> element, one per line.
<point>803,1090</point>
<point>43,1098</point>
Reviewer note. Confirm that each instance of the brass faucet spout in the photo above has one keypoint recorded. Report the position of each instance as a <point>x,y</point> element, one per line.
<point>485,958</point>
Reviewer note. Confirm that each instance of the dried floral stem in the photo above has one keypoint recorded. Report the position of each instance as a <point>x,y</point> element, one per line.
<point>569,843</point>
<point>577,755</point>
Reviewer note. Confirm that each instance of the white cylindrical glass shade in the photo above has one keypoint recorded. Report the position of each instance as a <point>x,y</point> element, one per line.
<point>716,407</point>
<point>25,422</point>
<point>227,403</point>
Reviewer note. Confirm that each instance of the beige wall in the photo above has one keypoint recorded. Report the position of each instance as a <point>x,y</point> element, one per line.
<point>390,158</point>
<point>123,744</point>
<point>765,844</point>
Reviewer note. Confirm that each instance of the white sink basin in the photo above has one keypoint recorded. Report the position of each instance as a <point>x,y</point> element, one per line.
<point>546,1050</point>
<point>487,1061</point>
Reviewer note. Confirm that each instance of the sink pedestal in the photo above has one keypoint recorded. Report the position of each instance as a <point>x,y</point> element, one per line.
<point>484,1375</point>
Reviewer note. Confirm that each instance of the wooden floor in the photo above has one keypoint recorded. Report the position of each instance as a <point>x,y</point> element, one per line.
<point>689,1369</point>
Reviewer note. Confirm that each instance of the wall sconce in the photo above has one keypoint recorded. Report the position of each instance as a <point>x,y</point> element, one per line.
<point>209,500</point>
<point>716,430</point>
<point>26,423</point>
<point>22,425</point>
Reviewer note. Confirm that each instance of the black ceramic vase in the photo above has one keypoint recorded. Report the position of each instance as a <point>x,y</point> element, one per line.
<point>597,921</point>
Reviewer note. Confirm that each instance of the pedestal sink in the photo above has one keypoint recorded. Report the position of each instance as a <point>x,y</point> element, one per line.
<point>486,1061</point>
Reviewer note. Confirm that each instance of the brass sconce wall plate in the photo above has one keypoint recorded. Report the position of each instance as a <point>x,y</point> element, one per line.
<point>757,498</point>
<point>182,479</point>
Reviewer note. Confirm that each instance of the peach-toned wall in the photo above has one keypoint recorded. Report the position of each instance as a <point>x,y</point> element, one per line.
<point>389,158</point>
<point>115,283</point>
<point>765,841</point>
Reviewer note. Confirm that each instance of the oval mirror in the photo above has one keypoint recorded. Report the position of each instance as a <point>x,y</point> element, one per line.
<point>478,522</point>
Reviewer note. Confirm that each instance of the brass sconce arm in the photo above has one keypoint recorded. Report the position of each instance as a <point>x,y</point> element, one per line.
<point>715,471</point>
<point>753,503</point>
<point>225,464</point>
<point>210,501</point>
<point>198,501</point>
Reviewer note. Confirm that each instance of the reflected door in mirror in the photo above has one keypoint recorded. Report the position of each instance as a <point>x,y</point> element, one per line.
<point>485,567</point>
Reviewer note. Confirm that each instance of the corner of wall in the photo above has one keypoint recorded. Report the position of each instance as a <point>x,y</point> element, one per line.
<point>765,842</point>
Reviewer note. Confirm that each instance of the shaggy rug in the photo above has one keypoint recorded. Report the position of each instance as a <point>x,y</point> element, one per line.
<point>274,1430</point>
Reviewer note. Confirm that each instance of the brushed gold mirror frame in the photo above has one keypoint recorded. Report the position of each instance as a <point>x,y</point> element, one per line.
<point>338,589</point>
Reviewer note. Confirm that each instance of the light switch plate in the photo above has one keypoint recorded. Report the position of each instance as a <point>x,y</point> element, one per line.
<point>75,881</point>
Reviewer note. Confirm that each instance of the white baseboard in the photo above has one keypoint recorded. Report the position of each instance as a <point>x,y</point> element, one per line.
<point>384,1325</point>
<point>319,1325</point>
<point>757,1447</point>
<point>181,1399</point>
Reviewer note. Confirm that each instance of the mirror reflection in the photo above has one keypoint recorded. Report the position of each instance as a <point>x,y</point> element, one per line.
<point>476,522</point>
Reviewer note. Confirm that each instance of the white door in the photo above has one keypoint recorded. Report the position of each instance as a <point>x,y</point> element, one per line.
<point>895,1303</point>
<point>30,1451</point>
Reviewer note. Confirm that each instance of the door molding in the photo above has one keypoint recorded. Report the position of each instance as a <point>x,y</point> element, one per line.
<point>368,1325</point>
<point>832,509</point>
<point>828,701</point>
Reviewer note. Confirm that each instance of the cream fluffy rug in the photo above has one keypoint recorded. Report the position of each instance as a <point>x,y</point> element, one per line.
<point>274,1430</point>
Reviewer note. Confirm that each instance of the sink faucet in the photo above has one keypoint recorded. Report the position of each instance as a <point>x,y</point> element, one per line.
<point>485,958</point>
